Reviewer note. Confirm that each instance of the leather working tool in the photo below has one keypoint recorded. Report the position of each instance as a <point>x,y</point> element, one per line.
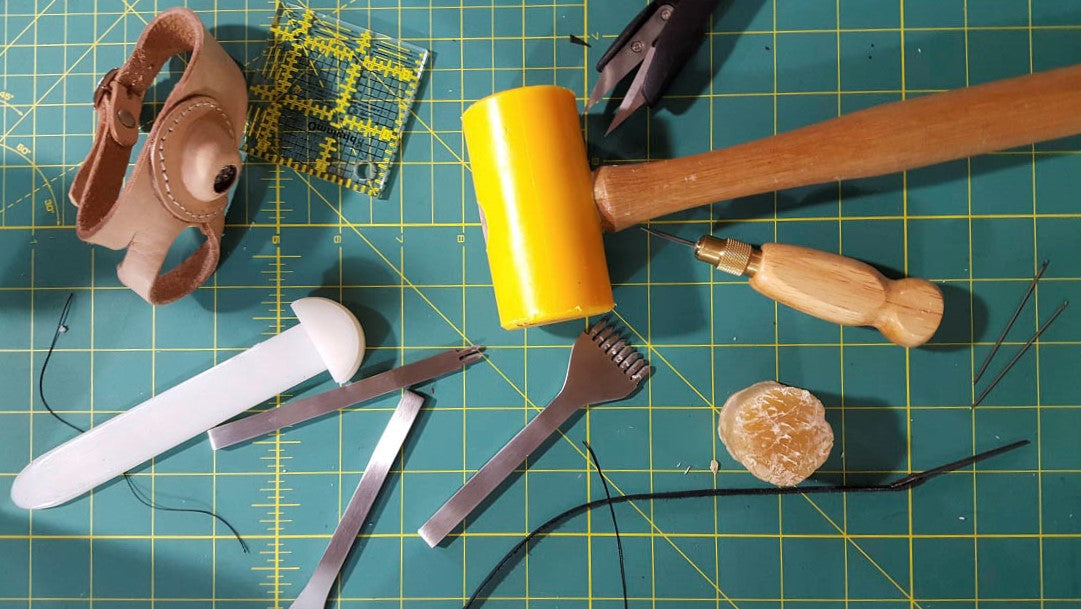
<point>328,338</point>
<point>1009,324</point>
<point>603,368</point>
<point>544,210</point>
<point>187,165</point>
<point>298,411</point>
<point>661,38</point>
<point>1019,354</point>
<point>332,99</point>
<point>835,288</point>
<point>315,592</point>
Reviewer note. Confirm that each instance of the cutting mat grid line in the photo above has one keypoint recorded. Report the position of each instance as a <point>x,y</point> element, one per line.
<point>1005,534</point>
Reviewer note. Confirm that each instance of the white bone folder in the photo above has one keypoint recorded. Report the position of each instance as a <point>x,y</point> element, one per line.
<point>328,337</point>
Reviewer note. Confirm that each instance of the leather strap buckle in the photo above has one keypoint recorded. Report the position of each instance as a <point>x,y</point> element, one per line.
<point>118,112</point>
<point>175,182</point>
<point>105,85</point>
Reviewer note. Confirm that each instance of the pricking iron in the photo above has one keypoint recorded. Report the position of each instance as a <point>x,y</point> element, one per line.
<point>604,367</point>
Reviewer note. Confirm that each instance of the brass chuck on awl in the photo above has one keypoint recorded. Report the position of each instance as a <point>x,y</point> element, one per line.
<point>727,255</point>
<point>828,286</point>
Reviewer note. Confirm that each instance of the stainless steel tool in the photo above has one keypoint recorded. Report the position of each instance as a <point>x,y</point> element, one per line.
<point>1020,353</point>
<point>315,593</point>
<point>1009,324</point>
<point>603,368</point>
<point>374,386</point>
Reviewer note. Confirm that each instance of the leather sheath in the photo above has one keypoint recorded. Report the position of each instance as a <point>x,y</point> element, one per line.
<point>185,169</point>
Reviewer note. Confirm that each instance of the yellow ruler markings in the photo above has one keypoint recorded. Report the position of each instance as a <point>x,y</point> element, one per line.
<point>336,48</point>
<point>15,38</point>
<point>347,88</point>
<point>367,128</point>
<point>326,152</point>
<point>300,33</point>
<point>62,77</point>
<point>850,539</point>
<point>276,490</point>
<point>364,41</point>
<point>515,535</point>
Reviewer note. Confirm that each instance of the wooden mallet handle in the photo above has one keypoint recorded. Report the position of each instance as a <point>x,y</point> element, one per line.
<point>884,139</point>
<point>846,291</point>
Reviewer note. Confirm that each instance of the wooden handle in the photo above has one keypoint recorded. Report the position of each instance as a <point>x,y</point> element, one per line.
<point>884,139</point>
<point>848,292</point>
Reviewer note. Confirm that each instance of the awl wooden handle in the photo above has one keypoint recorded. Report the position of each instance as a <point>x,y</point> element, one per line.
<point>848,292</point>
<point>880,140</point>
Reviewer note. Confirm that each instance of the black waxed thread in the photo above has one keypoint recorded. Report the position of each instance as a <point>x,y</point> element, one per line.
<point>615,524</point>
<point>909,482</point>
<point>136,492</point>
<point>60,329</point>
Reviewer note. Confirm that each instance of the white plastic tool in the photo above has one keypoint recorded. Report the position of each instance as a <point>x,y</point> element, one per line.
<point>328,337</point>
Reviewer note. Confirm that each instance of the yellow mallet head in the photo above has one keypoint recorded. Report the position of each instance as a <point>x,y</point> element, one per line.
<point>535,189</point>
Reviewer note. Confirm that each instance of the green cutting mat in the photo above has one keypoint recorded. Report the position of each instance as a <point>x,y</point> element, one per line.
<point>412,266</point>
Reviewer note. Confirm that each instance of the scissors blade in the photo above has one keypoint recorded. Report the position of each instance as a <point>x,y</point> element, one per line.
<point>634,98</point>
<point>628,58</point>
<point>621,65</point>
